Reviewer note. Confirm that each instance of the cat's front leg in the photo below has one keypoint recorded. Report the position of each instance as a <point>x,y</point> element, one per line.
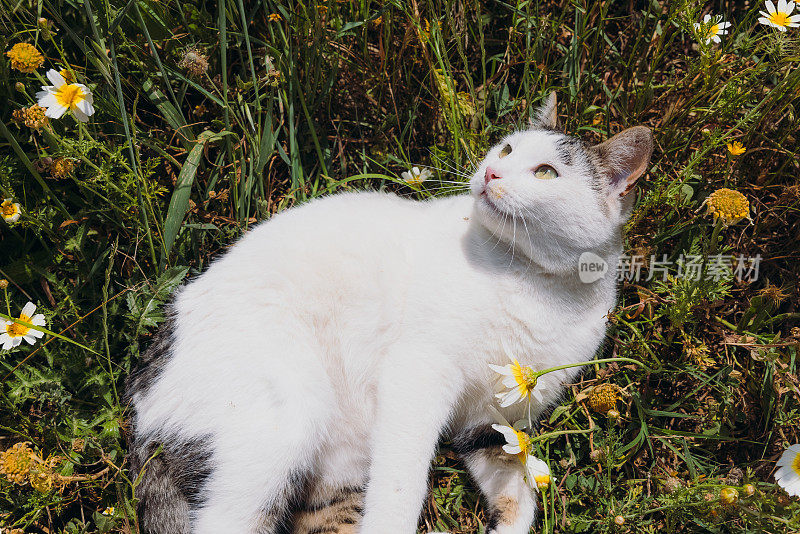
<point>415,399</point>
<point>500,476</point>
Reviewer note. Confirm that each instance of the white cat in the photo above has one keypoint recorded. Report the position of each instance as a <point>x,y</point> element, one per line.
<point>304,380</point>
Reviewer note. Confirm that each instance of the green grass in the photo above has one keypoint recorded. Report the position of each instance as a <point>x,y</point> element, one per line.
<point>346,95</point>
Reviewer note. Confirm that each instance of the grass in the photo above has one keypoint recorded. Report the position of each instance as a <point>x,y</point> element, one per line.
<point>213,116</point>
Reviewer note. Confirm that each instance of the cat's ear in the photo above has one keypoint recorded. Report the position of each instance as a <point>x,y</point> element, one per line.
<point>546,116</point>
<point>624,158</point>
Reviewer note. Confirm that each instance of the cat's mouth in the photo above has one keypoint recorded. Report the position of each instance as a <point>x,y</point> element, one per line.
<point>491,204</point>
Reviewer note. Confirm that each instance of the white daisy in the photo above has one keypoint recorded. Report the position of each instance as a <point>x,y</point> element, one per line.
<point>788,474</point>
<point>516,442</point>
<point>520,381</point>
<point>13,333</point>
<point>415,177</point>
<point>779,17</point>
<point>711,28</point>
<point>62,97</point>
<point>10,210</point>
<point>537,472</point>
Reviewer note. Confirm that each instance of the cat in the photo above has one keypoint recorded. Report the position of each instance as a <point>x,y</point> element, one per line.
<point>301,384</point>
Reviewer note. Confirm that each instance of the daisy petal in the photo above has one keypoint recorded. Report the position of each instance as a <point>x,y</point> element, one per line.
<point>29,309</point>
<point>55,78</point>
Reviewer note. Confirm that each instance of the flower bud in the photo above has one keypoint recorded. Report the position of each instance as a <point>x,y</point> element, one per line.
<point>619,520</point>
<point>20,87</point>
<point>749,490</point>
<point>3,283</point>
<point>728,496</point>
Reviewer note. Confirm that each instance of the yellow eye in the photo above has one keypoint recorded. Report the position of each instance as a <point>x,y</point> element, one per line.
<point>545,172</point>
<point>506,151</point>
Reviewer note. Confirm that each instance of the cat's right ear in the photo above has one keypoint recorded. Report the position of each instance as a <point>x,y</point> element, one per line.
<point>546,116</point>
<point>624,157</point>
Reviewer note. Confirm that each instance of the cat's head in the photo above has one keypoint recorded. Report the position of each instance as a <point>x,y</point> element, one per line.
<point>553,196</point>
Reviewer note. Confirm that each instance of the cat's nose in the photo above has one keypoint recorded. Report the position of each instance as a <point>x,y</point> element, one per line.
<point>491,174</point>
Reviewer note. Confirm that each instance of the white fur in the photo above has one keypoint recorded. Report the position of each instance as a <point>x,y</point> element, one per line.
<point>346,335</point>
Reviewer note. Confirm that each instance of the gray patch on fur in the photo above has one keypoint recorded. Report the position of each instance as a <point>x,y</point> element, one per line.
<point>171,482</point>
<point>153,361</point>
<point>477,438</point>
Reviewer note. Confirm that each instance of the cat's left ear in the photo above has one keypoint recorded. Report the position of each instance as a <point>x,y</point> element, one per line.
<point>624,157</point>
<point>546,116</point>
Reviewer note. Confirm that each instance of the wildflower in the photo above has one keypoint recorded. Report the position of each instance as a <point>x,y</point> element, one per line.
<point>41,480</point>
<point>728,496</point>
<point>604,397</point>
<point>521,382</point>
<point>62,97</point>
<point>44,26</point>
<point>10,211</point>
<point>415,177</point>
<point>25,57</point>
<point>749,490</point>
<point>3,284</point>
<point>194,62</point>
<point>727,205</point>
<point>62,168</point>
<point>16,462</point>
<point>537,471</point>
<point>322,10</point>
<point>596,455</point>
<point>619,520</point>
<point>788,474</point>
<point>736,148</point>
<point>20,87</point>
<point>672,484</point>
<point>274,17</point>
<point>33,117</point>
<point>109,511</point>
<point>516,442</point>
<point>711,28</point>
<point>15,332</point>
<point>779,17</point>
<point>613,415</point>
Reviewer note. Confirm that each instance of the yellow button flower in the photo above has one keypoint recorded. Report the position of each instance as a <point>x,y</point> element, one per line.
<point>10,211</point>
<point>62,97</point>
<point>274,17</point>
<point>13,333</point>
<point>33,117</point>
<point>604,397</point>
<point>727,205</point>
<point>25,57</point>
<point>16,462</point>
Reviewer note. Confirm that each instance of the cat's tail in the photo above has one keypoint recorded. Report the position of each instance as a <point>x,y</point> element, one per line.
<point>162,507</point>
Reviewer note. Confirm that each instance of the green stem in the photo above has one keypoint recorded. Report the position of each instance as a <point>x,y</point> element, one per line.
<point>593,362</point>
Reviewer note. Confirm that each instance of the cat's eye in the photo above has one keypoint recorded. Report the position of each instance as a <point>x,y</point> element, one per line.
<point>545,172</point>
<point>506,151</point>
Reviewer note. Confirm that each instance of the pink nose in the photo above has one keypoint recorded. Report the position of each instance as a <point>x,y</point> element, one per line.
<point>491,174</point>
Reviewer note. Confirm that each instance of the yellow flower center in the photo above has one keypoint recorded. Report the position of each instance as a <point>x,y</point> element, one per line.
<point>713,30</point>
<point>8,209</point>
<point>70,95</point>
<point>796,464</point>
<point>525,377</point>
<point>524,444</point>
<point>542,481</point>
<point>779,19</point>
<point>16,329</point>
